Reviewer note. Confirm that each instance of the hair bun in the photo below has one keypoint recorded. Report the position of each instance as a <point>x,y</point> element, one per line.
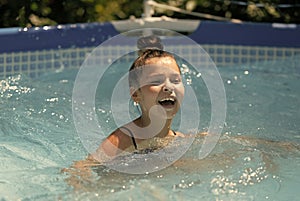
<point>149,42</point>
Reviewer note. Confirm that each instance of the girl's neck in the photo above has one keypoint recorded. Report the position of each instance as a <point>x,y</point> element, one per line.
<point>165,125</point>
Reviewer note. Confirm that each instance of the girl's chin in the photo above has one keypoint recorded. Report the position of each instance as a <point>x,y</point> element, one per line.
<point>166,115</point>
<point>163,112</point>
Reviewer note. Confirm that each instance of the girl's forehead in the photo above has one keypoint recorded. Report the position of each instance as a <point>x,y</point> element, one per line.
<point>159,69</point>
<point>162,64</point>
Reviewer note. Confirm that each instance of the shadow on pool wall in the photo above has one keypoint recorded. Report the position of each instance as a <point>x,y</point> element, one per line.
<point>33,51</point>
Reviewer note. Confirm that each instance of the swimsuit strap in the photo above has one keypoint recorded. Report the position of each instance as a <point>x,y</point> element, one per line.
<point>131,135</point>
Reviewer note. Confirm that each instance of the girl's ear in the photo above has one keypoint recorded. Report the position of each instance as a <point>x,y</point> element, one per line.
<point>134,94</point>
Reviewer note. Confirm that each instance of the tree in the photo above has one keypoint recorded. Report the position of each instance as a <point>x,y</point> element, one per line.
<point>26,13</point>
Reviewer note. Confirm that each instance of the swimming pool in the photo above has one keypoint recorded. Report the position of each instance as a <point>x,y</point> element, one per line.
<point>38,139</point>
<point>257,157</point>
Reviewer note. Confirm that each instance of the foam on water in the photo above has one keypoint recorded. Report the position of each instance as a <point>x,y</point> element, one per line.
<point>257,158</point>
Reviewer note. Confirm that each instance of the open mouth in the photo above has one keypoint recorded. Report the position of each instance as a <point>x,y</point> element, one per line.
<point>167,102</point>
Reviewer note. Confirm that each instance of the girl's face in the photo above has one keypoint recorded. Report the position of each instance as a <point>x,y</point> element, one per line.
<point>160,85</point>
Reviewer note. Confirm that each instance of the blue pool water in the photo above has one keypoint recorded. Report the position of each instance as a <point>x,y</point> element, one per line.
<point>257,157</point>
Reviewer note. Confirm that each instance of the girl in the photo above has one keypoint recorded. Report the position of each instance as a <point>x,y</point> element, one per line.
<point>156,86</point>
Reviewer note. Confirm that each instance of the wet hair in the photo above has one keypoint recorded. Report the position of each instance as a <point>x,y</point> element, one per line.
<point>149,47</point>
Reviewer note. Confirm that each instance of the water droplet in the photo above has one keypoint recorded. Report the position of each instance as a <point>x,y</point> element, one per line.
<point>46,28</point>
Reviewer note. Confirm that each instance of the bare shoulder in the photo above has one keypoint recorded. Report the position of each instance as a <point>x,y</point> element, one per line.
<point>180,134</point>
<point>116,142</point>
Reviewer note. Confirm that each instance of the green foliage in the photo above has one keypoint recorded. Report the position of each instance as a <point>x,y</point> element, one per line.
<point>284,11</point>
<point>26,13</point>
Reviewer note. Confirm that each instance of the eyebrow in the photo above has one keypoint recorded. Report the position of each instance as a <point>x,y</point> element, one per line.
<point>161,74</point>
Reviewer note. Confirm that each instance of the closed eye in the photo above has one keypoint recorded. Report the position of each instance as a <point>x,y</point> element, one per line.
<point>176,81</point>
<point>155,82</point>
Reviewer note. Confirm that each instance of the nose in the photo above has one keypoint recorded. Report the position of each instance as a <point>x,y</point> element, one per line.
<point>168,87</point>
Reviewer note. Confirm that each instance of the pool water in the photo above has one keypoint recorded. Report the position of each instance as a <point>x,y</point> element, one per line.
<point>256,158</point>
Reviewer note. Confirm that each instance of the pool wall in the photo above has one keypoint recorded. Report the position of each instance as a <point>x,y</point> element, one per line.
<point>34,51</point>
